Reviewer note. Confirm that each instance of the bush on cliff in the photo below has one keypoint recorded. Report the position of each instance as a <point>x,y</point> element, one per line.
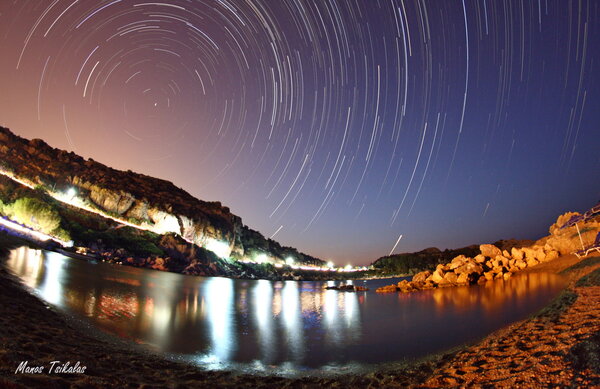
<point>37,214</point>
<point>34,213</point>
<point>135,242</point>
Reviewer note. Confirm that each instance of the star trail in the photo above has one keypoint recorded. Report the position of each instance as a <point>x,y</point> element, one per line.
<point>343,128</point>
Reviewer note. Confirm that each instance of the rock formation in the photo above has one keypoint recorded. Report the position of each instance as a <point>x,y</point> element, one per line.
<point>494,263</point>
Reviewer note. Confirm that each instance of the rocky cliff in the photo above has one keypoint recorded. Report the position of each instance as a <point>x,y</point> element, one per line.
<point>150,203</point>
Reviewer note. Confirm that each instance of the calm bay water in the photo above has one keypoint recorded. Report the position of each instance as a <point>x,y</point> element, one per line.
<point>278,326</point>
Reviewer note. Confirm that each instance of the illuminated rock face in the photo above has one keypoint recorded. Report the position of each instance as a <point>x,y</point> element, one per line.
<point>154,204</point>
<point>150,203</point>
<point>195,224</point>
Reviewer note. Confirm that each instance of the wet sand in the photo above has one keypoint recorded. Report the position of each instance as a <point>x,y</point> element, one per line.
<point>559,346</point>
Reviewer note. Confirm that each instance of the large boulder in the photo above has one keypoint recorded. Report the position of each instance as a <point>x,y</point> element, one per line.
<point>422,276</point>
<point>457,262</point>
<point>521,264</point>
<point>405,286</point>
<point>501,260</point>
<point>517,253</point>
<point>540,255</point>
<point>480,258</point>
<point>551,255</point>
<point>442,267</point>
<point>402,283</point>
<point>450,278</point>
<point>529,252</point>
<point>489,250</point>
<point>562,219</point>
<point>468,273</point>
<point>488,264</point>
<point>469,267</point>
<point>437,276</point>
<point>566,241</point>
<point>465,278</point>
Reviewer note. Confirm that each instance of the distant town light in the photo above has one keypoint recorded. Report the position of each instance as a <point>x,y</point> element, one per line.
<point>348,267</point>
<point>330,265</point>
<point>289,261</point>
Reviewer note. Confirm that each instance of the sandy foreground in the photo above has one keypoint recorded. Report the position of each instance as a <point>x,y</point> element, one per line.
<point>557,347</point>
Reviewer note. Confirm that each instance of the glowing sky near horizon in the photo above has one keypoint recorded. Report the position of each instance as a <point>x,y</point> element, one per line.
<point>346,129</point>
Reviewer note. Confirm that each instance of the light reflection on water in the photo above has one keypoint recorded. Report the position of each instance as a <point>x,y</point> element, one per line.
<point>265,324</point>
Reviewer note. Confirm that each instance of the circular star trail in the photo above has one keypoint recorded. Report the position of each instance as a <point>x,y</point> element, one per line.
<point>348,129</point>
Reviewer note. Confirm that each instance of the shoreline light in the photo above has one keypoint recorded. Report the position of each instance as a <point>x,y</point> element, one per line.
<point>40,236</point>
<point>71,193</point>
<point>221,249</point>
<point>261,258</point>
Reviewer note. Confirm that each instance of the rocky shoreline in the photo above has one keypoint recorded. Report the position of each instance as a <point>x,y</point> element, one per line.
<point>492,263</point>
<point>556,347</point>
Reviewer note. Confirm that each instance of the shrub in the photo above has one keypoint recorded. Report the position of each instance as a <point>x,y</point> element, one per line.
<point>61,233</point>
<point>36,214</point>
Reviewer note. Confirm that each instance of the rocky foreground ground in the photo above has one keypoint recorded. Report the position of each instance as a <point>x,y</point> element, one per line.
<point>558,347</point>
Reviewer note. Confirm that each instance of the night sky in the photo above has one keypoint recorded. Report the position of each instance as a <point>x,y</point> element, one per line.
<point>336,127</point>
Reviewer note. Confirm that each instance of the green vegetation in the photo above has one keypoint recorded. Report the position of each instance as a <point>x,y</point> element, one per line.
<point>37,210</point>
<point>412,263</point>
<point>86,231</point>
<point>34,213</point>
<point>136,221</point>
<point>403,263</point>
<point>586,262</point>
<point>592,279</point>
<point>37,214</point>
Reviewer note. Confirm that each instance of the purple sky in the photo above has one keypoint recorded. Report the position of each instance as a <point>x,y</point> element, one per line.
<point>337,126</point>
